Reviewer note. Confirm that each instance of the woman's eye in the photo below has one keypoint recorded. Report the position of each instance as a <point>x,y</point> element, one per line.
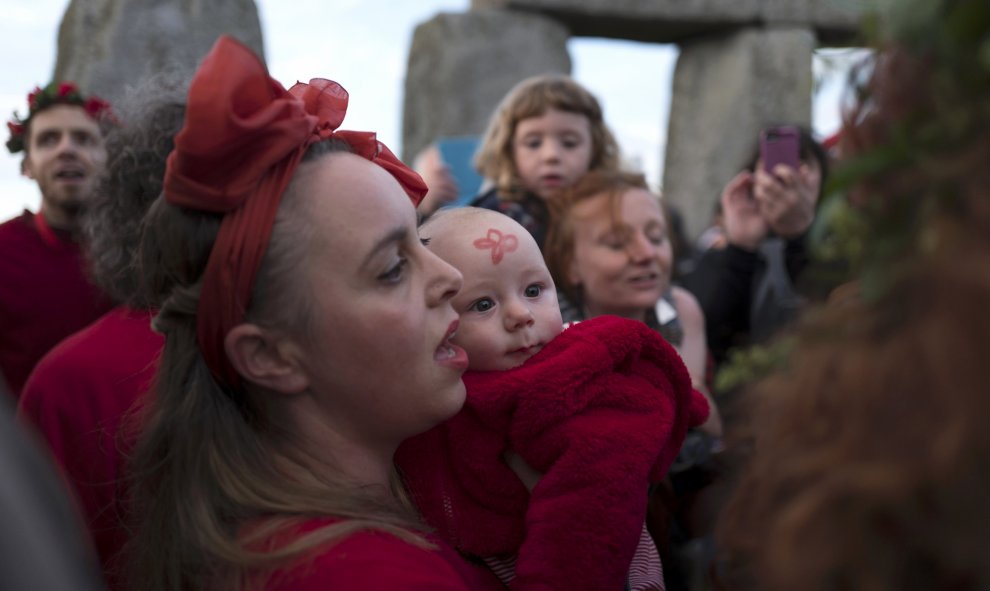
<point>657,239</point>
<point>424,241</point>
<point>614,242</point>
<point>482,305</point>
<point>394,273</point>
<point>534,290</point>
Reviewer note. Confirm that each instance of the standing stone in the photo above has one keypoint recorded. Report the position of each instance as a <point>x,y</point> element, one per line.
<point>461,65</point>
<point>107,45</point>
<point>725,90</point>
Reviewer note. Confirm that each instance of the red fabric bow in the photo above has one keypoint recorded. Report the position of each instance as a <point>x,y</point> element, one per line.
<point>243,138</point>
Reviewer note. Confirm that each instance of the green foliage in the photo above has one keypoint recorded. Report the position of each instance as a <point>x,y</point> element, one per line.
<point>887,206</point>
<point>879,233</point>
<point>750,364</point>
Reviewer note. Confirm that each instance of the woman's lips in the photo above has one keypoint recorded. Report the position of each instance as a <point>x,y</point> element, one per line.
<point>645,280</point>
<point>449,354</point>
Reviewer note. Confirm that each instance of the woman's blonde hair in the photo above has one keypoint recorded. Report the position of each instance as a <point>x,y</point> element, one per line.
<point>532,98</point>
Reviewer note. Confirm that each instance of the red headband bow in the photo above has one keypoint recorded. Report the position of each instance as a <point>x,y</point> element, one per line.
<point>243,138</point>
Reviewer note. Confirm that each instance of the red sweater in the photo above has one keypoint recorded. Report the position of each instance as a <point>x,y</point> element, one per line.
<point>377,560</point>
<point>601,412</point>
<point>44,294</point>
<point>77,397</point>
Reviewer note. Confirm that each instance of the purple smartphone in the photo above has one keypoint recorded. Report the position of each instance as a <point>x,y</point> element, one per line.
<point>780,145</point>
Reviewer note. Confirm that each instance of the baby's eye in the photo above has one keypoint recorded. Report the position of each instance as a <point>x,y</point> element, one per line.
<point>482,305</point>
<point>534,290</point>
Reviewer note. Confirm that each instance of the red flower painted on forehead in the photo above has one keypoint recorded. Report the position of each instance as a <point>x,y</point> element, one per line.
<point>498,242</point>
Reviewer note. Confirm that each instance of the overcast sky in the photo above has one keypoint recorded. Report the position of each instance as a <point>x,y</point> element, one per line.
<point>364,45</point>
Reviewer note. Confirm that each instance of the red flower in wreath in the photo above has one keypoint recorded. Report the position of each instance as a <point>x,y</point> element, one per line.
<point>33,97</point>
<point>94,106</point>
<point>66,88</point>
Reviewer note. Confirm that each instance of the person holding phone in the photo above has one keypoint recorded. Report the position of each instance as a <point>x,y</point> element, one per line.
<point>746,289</point>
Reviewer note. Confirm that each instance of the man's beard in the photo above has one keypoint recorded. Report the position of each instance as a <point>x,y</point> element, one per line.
<point>73,207</point>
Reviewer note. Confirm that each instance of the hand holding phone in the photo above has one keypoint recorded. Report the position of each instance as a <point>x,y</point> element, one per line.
<point>780,145</point>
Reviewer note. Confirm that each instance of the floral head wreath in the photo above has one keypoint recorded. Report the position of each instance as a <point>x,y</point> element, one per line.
<point>55,93</point>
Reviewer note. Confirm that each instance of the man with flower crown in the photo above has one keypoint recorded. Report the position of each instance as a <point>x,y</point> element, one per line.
<point>44,292</point>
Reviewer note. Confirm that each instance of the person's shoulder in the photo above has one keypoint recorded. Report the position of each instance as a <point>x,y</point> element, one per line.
<point>373,559</point>
<point>687,306</point>
<point>101,358</point>
<point>76,352</point>
<point>17,229</point>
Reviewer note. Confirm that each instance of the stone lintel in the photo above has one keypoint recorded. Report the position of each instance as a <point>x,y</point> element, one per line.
<point>835,22</point>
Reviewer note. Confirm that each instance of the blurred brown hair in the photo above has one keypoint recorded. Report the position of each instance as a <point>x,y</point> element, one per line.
<point>870,454</point>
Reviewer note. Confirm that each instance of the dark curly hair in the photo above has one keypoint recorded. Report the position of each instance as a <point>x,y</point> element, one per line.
<point>131,181</point>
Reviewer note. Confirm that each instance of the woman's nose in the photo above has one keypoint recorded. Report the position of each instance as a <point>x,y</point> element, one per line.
<point>444,283</point>
<point>642,249</point>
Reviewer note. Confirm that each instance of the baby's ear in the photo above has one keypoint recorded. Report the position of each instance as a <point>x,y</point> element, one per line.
<point>265,359</point>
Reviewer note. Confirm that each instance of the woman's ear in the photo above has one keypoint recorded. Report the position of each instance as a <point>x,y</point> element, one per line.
<point>264,358</point>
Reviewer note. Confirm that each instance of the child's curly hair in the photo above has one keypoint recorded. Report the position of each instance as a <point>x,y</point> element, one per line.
<point>532,98</point>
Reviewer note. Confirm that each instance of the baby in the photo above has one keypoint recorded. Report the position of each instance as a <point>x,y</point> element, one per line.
<point>508,303</point>
<point>587,418</point>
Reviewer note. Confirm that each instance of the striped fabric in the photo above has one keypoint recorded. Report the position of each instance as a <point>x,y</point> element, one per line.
<point>645,571</point>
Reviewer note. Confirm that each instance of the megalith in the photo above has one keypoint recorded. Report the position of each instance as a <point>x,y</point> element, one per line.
<point>462,64</point>
<point>107,45</point>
